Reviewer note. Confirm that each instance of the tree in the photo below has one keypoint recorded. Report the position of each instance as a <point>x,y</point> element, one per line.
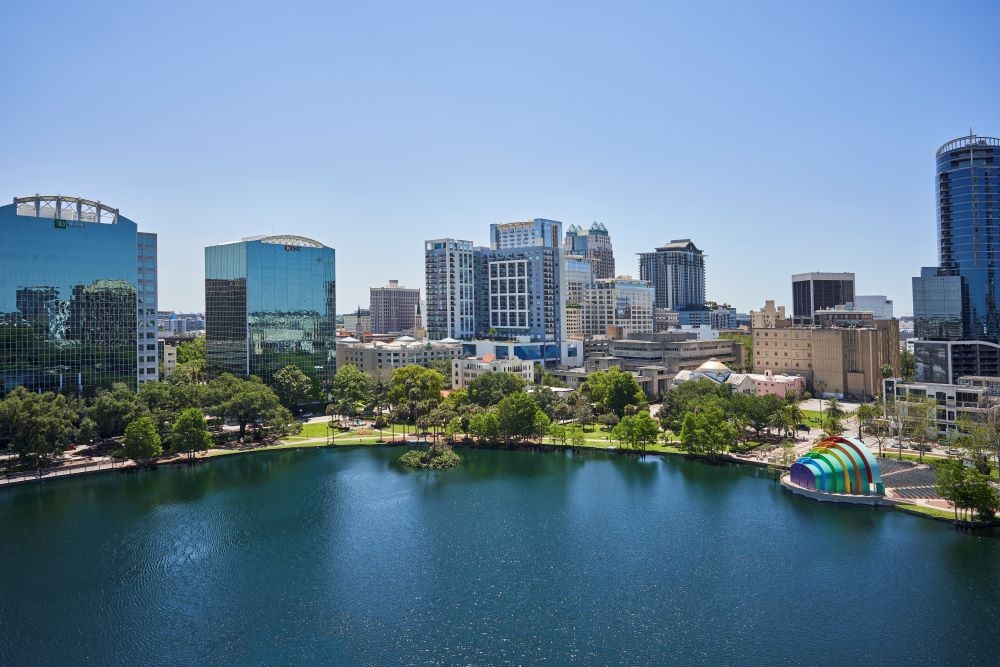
<point>612,390</point>
<point>191,360</point>
<point>411,384</point>
<point>833,415</point>
<point>293,387</point>
<point>453,429</point>
<point>907,365</point>
<point>490,388</point>
<point>247,401</point>
<point>352,389</point>
<point>576,436</point>
<point>689,396</point>
<point>866,415</point>
<point>87,433</point>
<point>142,441</point>
<point>637,431</point>
<point>759,411</point>
<point>583,412</point>
<point>967,490</point>
<point>608,420</point>
<point>443,366</point>
<point>558,433</point>
<point>189,433</point>
<point>380,423</point>
<point>485,426</point>
<point>549,403</point>
<point>37,426</point>
<point>541,425</point>
<point>918,421</point>
<point>193,350</point>
<point>707,432</point>
<point>113,409</point>
<point>516,415</point>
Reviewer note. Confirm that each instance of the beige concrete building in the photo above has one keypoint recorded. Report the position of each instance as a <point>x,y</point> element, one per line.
<point>843,361</point>
<point>574,322</point>
<point>465,371</point>
<point>394,309</point>
<point>767,317</point>
<point>623,303</point>
<point>379,359</point>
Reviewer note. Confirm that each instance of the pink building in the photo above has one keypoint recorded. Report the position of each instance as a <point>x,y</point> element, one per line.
<point>767,383</point>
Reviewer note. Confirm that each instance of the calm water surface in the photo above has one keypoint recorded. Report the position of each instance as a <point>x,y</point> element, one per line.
<point>339,557</point>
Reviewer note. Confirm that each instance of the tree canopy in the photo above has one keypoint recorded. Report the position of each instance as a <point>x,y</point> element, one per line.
<point>142,441</point>
<point>190,432</point>
<point>612,390</point>
<point>490,388</point>
<point>293,387</point>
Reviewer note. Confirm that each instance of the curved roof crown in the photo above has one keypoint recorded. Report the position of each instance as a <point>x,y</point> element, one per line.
<point>292,240</point>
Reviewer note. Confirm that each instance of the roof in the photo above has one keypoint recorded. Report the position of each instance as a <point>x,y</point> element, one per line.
<point>715,366</point>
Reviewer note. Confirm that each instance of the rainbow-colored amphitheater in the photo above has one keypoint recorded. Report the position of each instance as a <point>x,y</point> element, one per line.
<point>839,465</point>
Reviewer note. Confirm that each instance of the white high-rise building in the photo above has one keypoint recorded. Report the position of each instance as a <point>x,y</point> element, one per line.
<point>448,269</point>
<point>618,302</point>
<point>147,352</point>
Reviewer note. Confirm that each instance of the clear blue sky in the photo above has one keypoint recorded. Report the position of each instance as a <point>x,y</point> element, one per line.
<point>781,137</point>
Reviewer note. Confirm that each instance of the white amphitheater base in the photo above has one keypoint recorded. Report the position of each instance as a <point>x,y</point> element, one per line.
<point>844,498</point>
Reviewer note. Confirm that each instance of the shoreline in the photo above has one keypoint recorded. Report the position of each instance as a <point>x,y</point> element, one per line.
<point>321,443</point>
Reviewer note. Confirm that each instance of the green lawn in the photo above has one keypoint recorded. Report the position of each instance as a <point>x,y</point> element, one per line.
<point>813,418</point>
<point>929,511</point>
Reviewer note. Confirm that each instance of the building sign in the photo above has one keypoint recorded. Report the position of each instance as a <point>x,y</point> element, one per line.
<point>59,224</point>
<point>292,248</point>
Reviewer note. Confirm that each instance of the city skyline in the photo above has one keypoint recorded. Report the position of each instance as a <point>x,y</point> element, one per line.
<point>630,111</point>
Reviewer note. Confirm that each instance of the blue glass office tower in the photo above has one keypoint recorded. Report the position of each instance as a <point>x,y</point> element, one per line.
<point>959,300</point>
<point>270,301</point>
<point>69,296</point>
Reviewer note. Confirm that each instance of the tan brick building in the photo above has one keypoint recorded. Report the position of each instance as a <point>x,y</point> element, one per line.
<point>841,361</point>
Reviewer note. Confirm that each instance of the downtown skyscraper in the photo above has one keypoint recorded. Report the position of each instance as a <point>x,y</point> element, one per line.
<point>956,305</point>
<point>77,297</point>
<point>270,301</point>
<point>594,244</point>
<point>677,273</point>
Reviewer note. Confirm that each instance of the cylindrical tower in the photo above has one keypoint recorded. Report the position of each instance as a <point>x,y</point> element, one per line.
<point>968,191</point>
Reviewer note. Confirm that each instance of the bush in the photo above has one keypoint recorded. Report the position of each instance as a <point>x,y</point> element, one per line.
<point>433,459</point>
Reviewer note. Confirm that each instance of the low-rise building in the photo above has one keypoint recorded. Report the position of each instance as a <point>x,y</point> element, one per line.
<point>465,371</point>
<point>760,384</point>
<point>379,359</point>
<point>955,402</point>
<point>549,354</point>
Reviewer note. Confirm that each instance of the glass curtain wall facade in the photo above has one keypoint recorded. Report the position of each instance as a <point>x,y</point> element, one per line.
<point>69,296</point>
<point>968,194</point>
<point>956,305</point>
<point>270,302</point>
<point>820,291</point>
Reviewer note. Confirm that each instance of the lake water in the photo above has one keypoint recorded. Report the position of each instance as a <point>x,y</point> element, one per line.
<point>340,557</point>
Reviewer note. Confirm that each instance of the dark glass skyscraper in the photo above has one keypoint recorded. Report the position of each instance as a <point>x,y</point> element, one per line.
<point>959,300</point>
<point>968,200</point>
<point>70,310</point>
<point>270,301</point>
